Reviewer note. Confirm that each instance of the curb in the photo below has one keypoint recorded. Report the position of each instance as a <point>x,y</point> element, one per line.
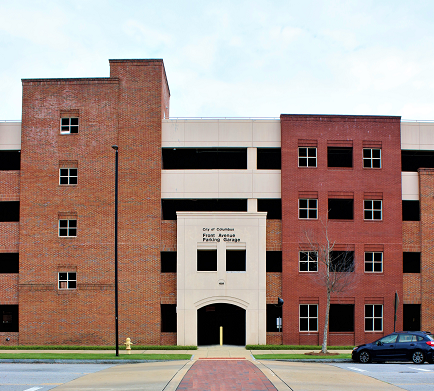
<point>61,361</point>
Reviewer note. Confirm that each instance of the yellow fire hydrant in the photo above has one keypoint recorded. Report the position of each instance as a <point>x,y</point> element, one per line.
<point>128,344</point>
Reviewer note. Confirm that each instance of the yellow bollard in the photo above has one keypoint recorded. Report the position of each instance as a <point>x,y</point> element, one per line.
<point>221,335</point>
<point>128,344</point>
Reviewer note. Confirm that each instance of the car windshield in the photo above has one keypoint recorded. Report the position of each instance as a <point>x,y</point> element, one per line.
<point>430,337</point>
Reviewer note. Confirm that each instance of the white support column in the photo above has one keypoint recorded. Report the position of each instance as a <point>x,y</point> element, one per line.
<point>251,159</point>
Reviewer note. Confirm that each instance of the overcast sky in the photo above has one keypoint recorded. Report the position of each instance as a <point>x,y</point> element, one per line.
<point>234,58</point>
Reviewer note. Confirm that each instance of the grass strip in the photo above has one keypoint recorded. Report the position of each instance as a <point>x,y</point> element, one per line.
<point>297,356</point>
<point>93,356</point>
<point>296,347</point>
<point>80,347</point>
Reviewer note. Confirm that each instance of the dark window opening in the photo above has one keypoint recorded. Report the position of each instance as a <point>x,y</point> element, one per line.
<point>411,317</point>
<point>413,160</point>
<point>168,318</point>
<point>9,211</point>
<point>9,318</point>
<point>341,261</point>
<point>341,318</point>
<point>411,262</point>
<point>339,156</point>
<point>273,207</point>
<point>410,211</point>
<point>235,260</point>
<point>341,209</point>
<point>206,260</point>
<point>204,158</point>
<point>274,261</point>
<point>274,318</point>
<point>10,160</point>
<point>171,206</point>
<point>168,261</point>
<point>269,158</point>
<point>9,263</point>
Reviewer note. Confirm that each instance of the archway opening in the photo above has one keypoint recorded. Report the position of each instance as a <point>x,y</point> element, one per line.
<point>211,317</point>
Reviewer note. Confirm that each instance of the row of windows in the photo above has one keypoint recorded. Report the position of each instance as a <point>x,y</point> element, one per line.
<point>235,260</point>
<point>308,261</point>
<point>267,158</point>
<point>339,157</point>
<point>341,209</point>
<point>373,318</point>
<point>338,209</point>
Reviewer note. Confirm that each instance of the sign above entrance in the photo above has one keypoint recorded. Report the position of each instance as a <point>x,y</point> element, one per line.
<point>219,234</point>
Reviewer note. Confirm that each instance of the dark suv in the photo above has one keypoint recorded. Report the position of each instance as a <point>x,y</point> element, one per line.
<point>417,346</point>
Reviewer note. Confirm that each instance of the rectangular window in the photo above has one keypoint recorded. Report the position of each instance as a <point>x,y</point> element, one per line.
<point>206,260</point>
<point>268,158</point>
<point>67,280</point>
<point>308,261</point>
<point>274,261</point>
<point>67,176</point>
<point>69,125</point>
<point>9,211</point>
<point>168,318</point>
<point>306,156</point>
<point>204,158</point>
<point>341,318</point>
<point>307,209</point>
<point>10,160</point>
<point>373,262</point>
<point>411,262</point>
<point>308,317</point>
<point>274,318</point>
<point>273,207</point>
<point>171,206</point>
<point>339,157</point>
<point>371,157</point>
<point>412,160</point>
<point>373,209</point>
<point>9,263</point>
<point>235,260</point>
<point>373,317</point>
<point>341,261</point>
<point>340,209</point>
<point>9,318</point>
<point>168,261</point>
<point>68,227</point>
<point>410,210</point>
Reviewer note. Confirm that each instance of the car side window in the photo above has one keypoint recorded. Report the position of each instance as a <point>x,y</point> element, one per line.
<point>419,338</point>
<point>407,338</point>
<point>388,339</point>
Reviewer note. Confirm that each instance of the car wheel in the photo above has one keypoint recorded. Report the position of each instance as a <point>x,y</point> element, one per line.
<point>364,357</point>
<point>418,357</point>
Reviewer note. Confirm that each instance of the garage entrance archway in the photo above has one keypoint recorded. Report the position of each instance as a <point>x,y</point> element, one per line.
<point>231,317</point>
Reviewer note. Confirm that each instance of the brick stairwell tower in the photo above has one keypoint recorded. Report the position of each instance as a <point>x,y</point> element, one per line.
<point>124,109</point>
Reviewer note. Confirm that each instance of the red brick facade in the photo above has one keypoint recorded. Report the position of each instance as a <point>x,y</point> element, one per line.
<point>374,288</point>
<point>125,109</point>
<point>426,191</point>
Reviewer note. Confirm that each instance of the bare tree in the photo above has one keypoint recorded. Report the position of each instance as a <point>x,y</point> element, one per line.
<point>335,269</point>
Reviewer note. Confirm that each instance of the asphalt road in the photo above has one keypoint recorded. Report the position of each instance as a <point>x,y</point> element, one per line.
<point>407,376</point>
<point>42,377</point>
<point>295,376</point>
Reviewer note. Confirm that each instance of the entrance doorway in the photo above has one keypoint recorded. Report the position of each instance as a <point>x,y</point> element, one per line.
<point>211,317</point>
